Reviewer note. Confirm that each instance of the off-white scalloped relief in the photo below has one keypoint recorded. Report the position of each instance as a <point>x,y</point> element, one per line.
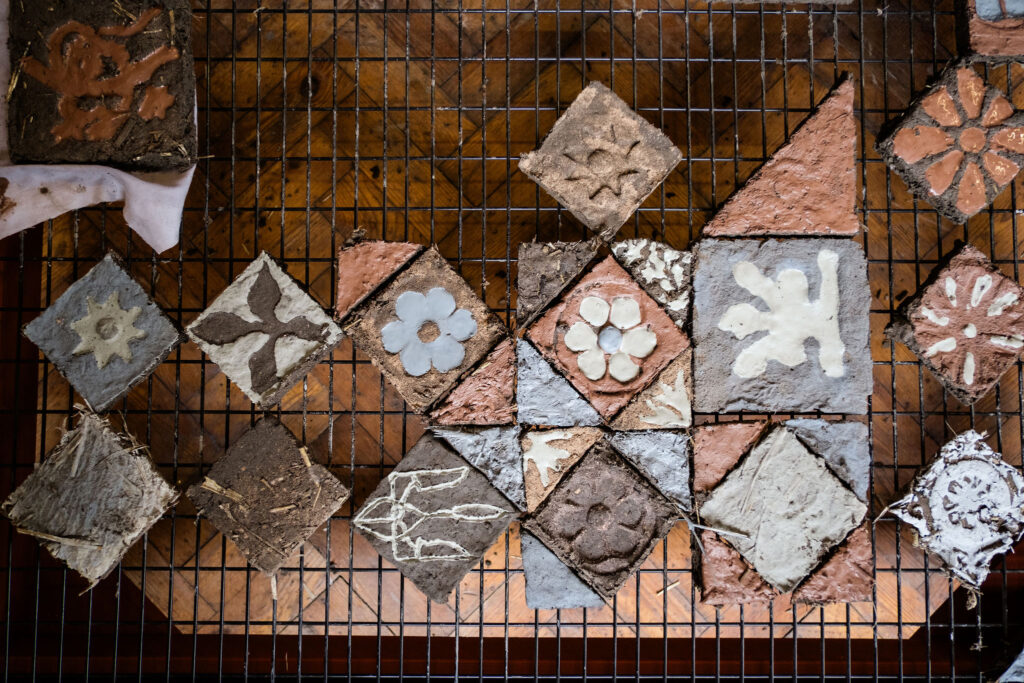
<point>610,338</point>
<point>429,331</point>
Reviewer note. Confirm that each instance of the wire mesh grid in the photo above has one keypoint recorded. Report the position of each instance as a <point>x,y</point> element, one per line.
<point>405,120</point>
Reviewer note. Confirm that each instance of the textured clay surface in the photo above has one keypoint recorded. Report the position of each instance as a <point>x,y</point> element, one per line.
<point>487,396</point>
<point>717,449</point>
<point>967,507</point>
<point>993,33</point>
<point>547,456</point>
<point>812,343</point>
<point>601,160</point>
<point>958,145</point>
<point>545,269</point>
<point>663,457</point>
<point>364,267</point>
<point>782,524</point>
<point>662,271</point>
<point>966,324</point>
<point>264,332</point>
<point>724,577</point>
<point>267,496</point>
<point>845,447</point>
<point>91,499</point>
<point>544,397</point>
<point>142,344</point>
<point>847,576</point>
<point>666,403</point>
<point>808,187</point>
<point>603,520</point>
<point>434,517</point>
<point>496,453</point>
<point>607,282</point>
<point>549,583</point>
<point>428,272</point>
<point>98,87</point>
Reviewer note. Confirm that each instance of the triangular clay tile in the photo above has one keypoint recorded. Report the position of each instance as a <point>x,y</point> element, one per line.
<point>486,396</point>
<point>724,577</point>
<point>550,584</point>
<point>364,266</point>
<point>666,403</point>
<point>663,272</point>
<point>809,185</point>
<point>547,456</point>
<point>543,397</point>
<point>545,269</point>
<point>496,453</point>
<point>847,576</point>
<point>717,448</point>
<point>661,456</point>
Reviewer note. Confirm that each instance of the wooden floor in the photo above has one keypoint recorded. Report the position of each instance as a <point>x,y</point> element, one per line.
<point>407,125</point>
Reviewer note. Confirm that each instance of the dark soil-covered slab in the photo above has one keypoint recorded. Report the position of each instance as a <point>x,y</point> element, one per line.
<point>267,496</point>
<point>91,499</point>
<point>104,334</point>
<point>545,269</point>
<point>107,83</point>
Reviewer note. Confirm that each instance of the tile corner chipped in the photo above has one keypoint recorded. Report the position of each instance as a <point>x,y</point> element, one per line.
<point>958,145</point>
<point>808,187</point>
<point>790,291</point>
<point>601,160</point>
<point>96,493</point>
<point>425,330</point>
<point>967,507</point>
<point>433,517</point>
<point>243,332</point>
<point>966,324</point>
<point>267,496</point>
<point>104,334</point>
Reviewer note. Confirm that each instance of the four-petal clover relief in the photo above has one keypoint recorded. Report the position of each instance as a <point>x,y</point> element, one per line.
<point>429,331</point>
<point>610,338</point>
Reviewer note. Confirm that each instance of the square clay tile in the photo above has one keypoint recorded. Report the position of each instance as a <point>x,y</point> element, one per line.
<point>91,499</point>
<point>264,332</point>
<point>544,270</point>
<point>104,334</point>
<point>967,507</point>
<point>958,145</point>
<point>425,330</point>
<point>434,517</point>
<point>364,267</point>
<point>608,337</point>
<point>783,525</point>
<point>771,331</point>
<point>966,324</point>
<point>601,160</point>
<point>995,29</point>
<point>603,519</point>
<point>267,496</point>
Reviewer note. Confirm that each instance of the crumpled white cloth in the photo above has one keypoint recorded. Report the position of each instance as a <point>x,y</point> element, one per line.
<point>153,202</point>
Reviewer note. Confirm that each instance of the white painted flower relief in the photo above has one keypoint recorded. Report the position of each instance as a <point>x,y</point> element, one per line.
<point>429,331</point>
<point>791,319</point>
<point>610,339</point>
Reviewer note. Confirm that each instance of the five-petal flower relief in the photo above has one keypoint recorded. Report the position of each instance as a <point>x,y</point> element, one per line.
<point>610,338</point>
<point>963,150</point>
<point>429,331</point>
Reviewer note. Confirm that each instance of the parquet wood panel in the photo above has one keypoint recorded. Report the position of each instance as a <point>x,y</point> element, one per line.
<point>406,124</point>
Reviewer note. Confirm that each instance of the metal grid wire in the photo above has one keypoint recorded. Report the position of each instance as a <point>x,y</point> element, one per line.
<point>405,119</point>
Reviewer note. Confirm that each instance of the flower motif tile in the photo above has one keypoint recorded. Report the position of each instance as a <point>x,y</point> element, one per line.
<point>959,145</point>
<point>264,332</point>
<point>608,337</point>
<point>104,334</point>
<point>425,330</point>
<point>966,324</point>
<point>601,160</point>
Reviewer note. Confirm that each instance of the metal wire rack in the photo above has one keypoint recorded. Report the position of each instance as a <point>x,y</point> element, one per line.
<point>405,119</point>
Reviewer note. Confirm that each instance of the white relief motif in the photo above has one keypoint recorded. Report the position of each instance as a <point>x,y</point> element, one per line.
<point>671,406</point>
<point>791,318</point>
<point>543,455</point>
<point>610,338</point>
<point>106,330</point>
<point>395,518</point>
<point>429,331</point>
<point>663,269</point>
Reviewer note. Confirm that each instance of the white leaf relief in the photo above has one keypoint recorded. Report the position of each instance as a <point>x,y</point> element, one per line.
<point>671,407</point>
